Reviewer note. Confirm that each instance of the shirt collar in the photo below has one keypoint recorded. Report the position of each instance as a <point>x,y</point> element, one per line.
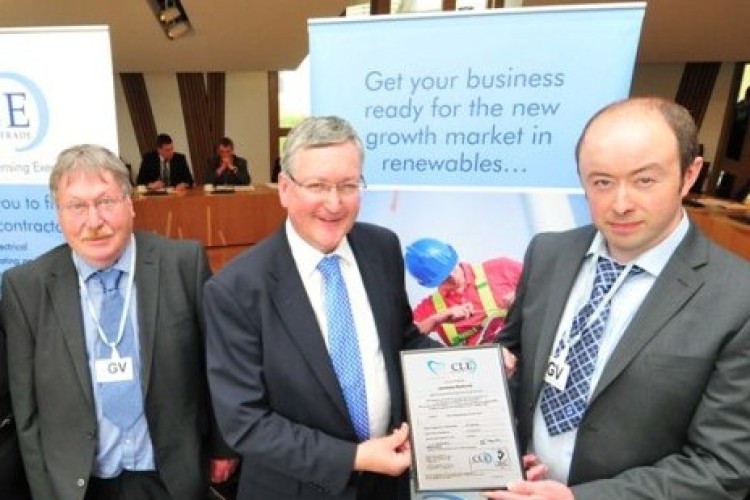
<point>652,260</point>
<point>86,270</point>
<point>307,257</point>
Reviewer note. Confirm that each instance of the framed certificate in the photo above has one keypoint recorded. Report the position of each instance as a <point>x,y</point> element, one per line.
<point>462,429</point>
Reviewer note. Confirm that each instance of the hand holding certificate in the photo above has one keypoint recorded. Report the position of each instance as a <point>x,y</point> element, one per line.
<point>463,436</point>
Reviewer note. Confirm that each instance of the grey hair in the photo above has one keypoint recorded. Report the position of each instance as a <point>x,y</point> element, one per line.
<point>318,132</point>
<point>92,159</point>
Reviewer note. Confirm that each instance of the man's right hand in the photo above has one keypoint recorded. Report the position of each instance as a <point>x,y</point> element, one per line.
<point>389,455</point>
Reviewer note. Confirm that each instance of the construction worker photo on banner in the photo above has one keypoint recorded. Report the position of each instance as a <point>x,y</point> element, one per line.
<point>471,300</point>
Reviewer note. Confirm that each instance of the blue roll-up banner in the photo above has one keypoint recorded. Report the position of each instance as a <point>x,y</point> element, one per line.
<point>470,119</point>
<point>56,90</point>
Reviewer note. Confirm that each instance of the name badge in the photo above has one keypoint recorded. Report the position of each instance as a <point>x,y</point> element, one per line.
<point>114,369</point>
<point>557,373</point>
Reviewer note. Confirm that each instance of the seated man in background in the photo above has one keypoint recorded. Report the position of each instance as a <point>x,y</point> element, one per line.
<point>226,168</point>
<point>164,167</point>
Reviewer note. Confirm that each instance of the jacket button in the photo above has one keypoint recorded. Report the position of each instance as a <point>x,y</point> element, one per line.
<point>81,482</point>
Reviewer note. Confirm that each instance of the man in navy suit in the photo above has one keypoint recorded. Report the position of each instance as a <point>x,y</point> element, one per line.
<point>164,167</point>
<point>275,390</point>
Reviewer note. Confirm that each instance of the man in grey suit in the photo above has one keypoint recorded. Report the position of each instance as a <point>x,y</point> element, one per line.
<point>74,359</point>
<point>276,389</point>
<point>663,411</point>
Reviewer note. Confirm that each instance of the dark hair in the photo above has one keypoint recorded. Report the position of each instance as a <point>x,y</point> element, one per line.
<point>226,142</point>
<point>677,118</point>
<point>163,139</point>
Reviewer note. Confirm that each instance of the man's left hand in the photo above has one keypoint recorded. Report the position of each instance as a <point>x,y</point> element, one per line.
<point>538,490</point>
<point>222,469</point>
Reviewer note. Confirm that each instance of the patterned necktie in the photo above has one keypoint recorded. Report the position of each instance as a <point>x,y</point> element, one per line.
<point>343,344</point>
<point>563,410</point>
<point>122,402</point>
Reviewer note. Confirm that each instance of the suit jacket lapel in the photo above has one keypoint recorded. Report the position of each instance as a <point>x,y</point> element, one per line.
<point>676,284</point>
<point>147,283</point>
<point>297,315</point>
<point>62,280</point>
<point>372,277</point>
<point>561,280</point>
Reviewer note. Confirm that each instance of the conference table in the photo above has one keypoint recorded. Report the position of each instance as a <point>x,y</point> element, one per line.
<point>725,222</point>
<point>225,222</point>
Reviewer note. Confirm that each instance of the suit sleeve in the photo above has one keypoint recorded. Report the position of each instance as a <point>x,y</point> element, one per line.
<point>243,172</point>
<point>148,172</point>
<point>243,405</point>
<point>218,448</point>
<point>182,174</point>
<point>510,336</point>
<point>20,343</point>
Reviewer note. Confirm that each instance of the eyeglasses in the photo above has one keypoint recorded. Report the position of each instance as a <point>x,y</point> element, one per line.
<point>321,189</point>
<point>102,205</point>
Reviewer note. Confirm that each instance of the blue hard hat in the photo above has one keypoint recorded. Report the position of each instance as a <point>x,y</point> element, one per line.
<point>430,261</point>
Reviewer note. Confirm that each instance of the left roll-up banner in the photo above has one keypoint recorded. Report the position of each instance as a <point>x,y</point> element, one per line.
<point>56,90</point>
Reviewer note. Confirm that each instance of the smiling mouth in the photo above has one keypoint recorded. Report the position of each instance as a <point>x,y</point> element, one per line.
<point>97,237</point>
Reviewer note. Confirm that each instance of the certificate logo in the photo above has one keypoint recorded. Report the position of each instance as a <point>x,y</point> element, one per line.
<point>465,365</point>
<point>24,115</point>
<point>490,459</point>
<point>462,366</point>
<point>436,367</point>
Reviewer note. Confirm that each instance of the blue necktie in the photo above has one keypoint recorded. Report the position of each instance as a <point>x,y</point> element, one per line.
<point>343,344</point>
<point>122,402</point>
<point>563,410</point>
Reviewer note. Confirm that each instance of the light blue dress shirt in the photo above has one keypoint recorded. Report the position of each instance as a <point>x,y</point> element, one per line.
<point>116,450</point>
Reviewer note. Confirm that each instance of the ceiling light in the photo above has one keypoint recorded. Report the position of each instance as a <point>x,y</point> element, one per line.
<point>177,29</point>
<point>169,14</point>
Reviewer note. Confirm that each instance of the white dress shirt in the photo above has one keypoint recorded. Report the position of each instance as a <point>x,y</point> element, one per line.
<point>373,365</point>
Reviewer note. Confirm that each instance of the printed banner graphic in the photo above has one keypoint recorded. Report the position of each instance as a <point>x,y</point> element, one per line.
<point>48,102</point>
<point>469,122</point>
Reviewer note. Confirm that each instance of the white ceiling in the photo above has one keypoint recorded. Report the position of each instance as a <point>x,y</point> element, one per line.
<point>260,35</point>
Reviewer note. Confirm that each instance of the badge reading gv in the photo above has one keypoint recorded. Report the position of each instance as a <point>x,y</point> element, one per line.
<point>114,370</point>
<point>557,373</point>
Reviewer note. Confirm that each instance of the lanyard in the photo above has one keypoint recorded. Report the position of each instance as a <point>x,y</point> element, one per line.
<point>566,340</point>
<point>125,307</point>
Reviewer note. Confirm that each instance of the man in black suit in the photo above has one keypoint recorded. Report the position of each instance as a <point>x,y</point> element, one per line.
<point>276,390</point>
<point>226,168</point>
<point>164,167</point>
<point>66,359</point>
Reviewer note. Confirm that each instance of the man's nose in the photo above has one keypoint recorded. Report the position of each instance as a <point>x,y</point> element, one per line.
<point>623,200</point>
